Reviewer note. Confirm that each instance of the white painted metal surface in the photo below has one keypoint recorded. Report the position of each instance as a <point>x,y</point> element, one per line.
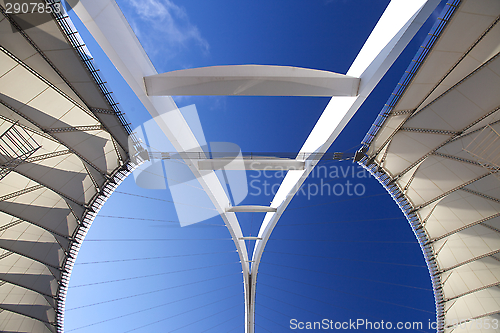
<point>251,80</point>
<point>254,163</point>
<point>251,209</point>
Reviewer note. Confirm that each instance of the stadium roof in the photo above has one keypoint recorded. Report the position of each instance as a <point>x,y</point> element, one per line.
<point>63,151</point>
<point>394,30</point>
<point>434,147</point>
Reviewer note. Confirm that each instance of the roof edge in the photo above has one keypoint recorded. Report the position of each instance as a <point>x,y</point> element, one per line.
<point>72,35</point>
<point>409,212</point>
<point>90,214</point>
<point>412,69</point>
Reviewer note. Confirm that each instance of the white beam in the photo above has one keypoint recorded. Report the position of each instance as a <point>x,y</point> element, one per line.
<point>251,80</point>
<point>250,209</point>
<point>249,164</point>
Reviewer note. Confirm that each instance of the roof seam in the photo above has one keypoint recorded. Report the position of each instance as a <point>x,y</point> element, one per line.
<point>53,232</point>
<point>26,315</point>
<point>456,158</point>
<point>455,65</point>
<point>444,194</point>
<point>459,135</point>
<point>31,258</point>
<point>48,83</point>
<point>428,130</point>
<point>54,138</point>
<point>61,194</point>
<point>465,78</point>
<point>54,297</point>
<point>470,225</point>
<point>482,195</point>
<point>436,31</point>
<point>474,318</point>
<point>469,261</point>
<point>71,36</point>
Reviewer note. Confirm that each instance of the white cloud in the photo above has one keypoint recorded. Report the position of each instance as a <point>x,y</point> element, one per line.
<point>167,24</point>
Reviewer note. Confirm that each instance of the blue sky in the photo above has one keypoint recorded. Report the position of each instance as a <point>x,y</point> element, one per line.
<point>342,256</point>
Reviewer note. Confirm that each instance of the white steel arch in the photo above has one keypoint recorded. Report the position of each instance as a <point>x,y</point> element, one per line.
<point>395,29</point>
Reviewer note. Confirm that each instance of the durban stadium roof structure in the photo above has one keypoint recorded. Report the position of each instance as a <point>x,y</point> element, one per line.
<point>434,148</point>
<point>64,150</point>
<point>395,29</point>
<point>64,146</point>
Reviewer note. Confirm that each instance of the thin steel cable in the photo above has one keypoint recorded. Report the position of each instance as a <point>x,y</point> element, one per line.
<point>150,292</point>
<point>348,259</point>
<point>197,321</point>
<point>151,275</point>
<point>298,307</point>
<point>173,316</point>
<point>343,221</point>
<point>136,218</point>
<point>346,276</point>
<point>226,321</point>
<point>288,316</point>
<point>350,294</point>
<point>156,220</point>
<point>343,152</point>
<point>281,313</point>
<point>263,327</point>
<point>232,329</point>
<point>274,239</point>
<point>344,241</point>
<point>317,300</point>
<point>164,200</point>
<point>148,309</point>
<point>151,258</point>
<point>336,178</point>
<point>272,321</point>
<point>339,201</point>
<point>277,225</point>
<point>155,239</point>
<point>175,180</point>
<point>357,145</point>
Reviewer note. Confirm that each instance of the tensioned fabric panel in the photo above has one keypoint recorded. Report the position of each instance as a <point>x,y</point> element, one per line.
<point>438,153</point>
<point>77,141</point>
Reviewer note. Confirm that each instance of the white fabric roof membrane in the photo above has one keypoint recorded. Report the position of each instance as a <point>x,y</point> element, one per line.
<point>437,153</point>
<point>50,93</point>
